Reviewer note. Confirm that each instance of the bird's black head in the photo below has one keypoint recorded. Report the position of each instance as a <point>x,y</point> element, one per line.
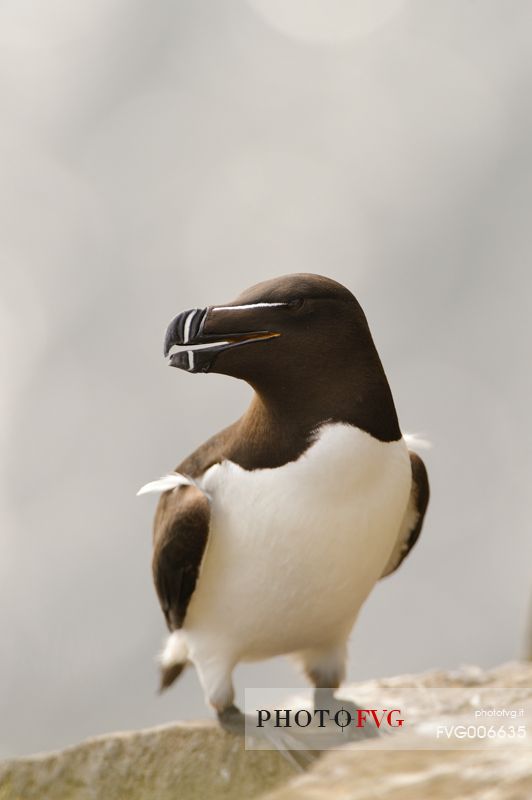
<point>300,338</point>
<point>288,325</point>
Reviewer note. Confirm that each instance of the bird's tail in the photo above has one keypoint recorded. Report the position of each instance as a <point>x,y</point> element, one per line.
<point>173,659</point>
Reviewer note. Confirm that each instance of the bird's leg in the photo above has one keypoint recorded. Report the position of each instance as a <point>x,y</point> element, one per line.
<point>215,678</point>
<point>324,697</point>
<point>344,716</point>
<point>234,721</point>
<point>326,670</point>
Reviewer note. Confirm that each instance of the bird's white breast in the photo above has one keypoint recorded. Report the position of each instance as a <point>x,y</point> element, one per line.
<point>294,551</point>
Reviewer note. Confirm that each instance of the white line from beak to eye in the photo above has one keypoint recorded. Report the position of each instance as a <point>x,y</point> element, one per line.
<point>188,323</point>
<point>190,360</point>
<point>249,305</point>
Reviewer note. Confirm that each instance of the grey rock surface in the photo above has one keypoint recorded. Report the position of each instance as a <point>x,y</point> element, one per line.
<point>184,761</point>
<point>197,760</point>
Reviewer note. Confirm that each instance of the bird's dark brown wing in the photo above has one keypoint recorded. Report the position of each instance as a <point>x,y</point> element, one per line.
<point>181,531</point>
<point>414,515</point>
<point>180,536</point>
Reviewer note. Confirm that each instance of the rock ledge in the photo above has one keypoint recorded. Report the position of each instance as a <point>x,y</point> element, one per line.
<point>187,761</point>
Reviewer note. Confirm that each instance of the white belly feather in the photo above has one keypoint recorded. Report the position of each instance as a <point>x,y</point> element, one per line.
<point>294,551</point>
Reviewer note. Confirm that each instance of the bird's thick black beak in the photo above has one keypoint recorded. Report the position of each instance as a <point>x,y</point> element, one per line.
<point>187,329</point>
<point>184,328</point>
<point>207,336</point>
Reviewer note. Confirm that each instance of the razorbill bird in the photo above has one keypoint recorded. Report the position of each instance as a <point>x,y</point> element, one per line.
<point>270,536</point>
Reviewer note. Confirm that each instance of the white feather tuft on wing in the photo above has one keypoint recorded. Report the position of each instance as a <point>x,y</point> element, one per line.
<point>417,442</point>
<point>165,484</point>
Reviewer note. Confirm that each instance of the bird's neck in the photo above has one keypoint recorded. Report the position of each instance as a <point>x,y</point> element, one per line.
<point>281,423</point>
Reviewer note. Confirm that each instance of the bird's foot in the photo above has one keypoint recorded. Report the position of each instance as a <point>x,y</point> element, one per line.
<point>347,722</point>
<point>232,720</point>
<point>267,737</point>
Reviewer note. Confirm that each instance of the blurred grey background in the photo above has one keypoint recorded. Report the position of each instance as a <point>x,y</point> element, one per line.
<point>158,156</point>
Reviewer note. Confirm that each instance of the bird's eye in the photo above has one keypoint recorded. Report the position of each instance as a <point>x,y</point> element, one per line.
<point>296,303</point>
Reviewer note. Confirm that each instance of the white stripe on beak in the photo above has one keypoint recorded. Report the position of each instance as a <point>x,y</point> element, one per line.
<point>249,305</point>
<point>188,323</point>
<point>190,360</point>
